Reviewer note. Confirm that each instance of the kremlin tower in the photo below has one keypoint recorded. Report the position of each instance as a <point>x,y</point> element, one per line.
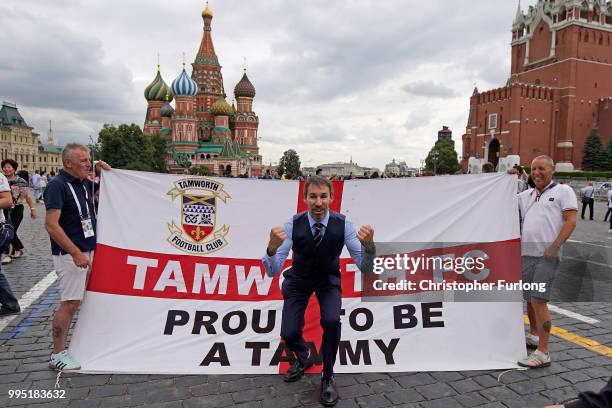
<point>202,129</point>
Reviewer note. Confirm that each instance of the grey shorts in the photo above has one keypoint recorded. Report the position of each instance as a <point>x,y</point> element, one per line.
<point>72,279</point>
<point>538,271</point>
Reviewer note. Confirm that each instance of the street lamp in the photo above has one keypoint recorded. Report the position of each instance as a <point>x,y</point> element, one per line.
<point>434,157</point>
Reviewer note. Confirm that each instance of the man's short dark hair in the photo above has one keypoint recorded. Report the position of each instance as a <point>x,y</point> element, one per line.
<point>318,181</point>
<point>12,162</point>
<point>488,167</point>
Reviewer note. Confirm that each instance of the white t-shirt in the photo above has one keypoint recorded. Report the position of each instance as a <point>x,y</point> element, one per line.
<point>4,186</point>
<point>543,216</point>
<point>588,192</point>
<point>610,198</point>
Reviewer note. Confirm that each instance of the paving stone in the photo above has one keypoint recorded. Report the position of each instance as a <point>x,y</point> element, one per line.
<point>439,403</point>
<point>554,381</point>
<point>205,389</point>
<point>499,393</point>
<point>528,387</point>
<point>561,395</point>
<point>373,401</point>
<point>12,378</point>
<point>107,391</point>
<point>404,396</point>
<point>465,386</point>
<point>384,386</point>
<point>254,394</point>
<point>165,394</point>
<point>413,380</point>
<point>575,364</point>
<point>210,401</point>
<point>434,391</point>
<point>446,376</point>
<point>472,399</point>
<point>575,377</point>
<point>82,380</point>
<point>486,380</point>
<point>369,377</point>
<point>353,391</point>
<point>287,401</point>
<point>592,385</point>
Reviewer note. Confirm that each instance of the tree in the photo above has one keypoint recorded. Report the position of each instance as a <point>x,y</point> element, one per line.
<point>127,147</point>
<point>200,171</point>
<point>591,151</point>
<point>289,164</point>
<point>442,158</point>
<point>603,159</point>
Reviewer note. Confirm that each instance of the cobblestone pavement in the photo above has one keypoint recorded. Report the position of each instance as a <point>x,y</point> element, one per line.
<point>25,346</point>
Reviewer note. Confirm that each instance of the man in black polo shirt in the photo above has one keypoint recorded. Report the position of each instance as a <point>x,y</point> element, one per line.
<point>71,223</point>
<point>316,237</point>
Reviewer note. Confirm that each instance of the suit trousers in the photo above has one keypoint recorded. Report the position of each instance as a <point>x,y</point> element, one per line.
<point>296,295</point>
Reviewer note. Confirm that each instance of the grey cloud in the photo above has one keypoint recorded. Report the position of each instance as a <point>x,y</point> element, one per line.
<point>429,89</point>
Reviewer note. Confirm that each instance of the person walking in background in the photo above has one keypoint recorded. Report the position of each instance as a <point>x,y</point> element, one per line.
<point>588,198</point>
<point>9,305</point>
<point>609,195</point>
<point>20,195</point>
<point>36,185</point>
<point>42,183</point>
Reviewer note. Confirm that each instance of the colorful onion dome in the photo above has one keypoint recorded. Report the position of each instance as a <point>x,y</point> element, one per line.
<point>207,12</point>
<point>166,111</point>
<point>244,88</point>
<point>221,107</point>
<point>184,86</point>
<point>158,90</point>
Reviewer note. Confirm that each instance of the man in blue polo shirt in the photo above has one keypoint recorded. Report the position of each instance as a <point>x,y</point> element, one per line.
<point>317,238</point>
<point>71,223</point>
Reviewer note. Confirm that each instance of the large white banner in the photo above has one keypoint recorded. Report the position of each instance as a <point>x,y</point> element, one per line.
<point>178,286</point>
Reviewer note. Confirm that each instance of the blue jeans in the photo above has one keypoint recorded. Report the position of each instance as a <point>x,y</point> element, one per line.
<point>7,298</point>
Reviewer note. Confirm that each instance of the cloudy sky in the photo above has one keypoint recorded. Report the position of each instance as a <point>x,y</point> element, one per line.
<point>371,80</point>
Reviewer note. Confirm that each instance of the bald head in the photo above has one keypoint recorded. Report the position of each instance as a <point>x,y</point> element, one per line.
<point>542,170</point>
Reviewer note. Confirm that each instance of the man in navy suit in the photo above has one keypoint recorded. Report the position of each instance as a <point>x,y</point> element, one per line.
<point>317,238</point>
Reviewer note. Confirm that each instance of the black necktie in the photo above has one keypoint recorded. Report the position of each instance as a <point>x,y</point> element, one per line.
<point>318,233</point>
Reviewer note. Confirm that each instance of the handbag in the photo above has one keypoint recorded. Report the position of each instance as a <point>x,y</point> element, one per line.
<point>7,232</point>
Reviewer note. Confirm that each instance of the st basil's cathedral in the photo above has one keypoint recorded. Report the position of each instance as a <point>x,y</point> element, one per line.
<point>203,129</point>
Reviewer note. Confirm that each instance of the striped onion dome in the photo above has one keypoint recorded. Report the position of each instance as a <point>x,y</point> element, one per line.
<point>166,111</point>
<point>244,88</point>
<point>158,90</point>
<point>184,86</point>
<point>221,108</point>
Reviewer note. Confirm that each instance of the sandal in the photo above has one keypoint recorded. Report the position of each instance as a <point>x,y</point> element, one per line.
<point>7,260</point>
<point>18,254</point>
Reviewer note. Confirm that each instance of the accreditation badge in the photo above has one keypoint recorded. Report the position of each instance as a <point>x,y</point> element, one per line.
<point>87,225</point>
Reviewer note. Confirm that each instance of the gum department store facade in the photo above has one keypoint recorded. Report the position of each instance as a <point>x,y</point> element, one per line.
<point>19,142</point>
<point>559,89</point>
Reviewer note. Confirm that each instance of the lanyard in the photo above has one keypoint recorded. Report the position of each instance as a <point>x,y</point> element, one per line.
<point>76,200</point>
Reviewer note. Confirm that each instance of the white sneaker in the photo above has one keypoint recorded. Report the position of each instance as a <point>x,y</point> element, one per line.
<point>536,359</point>
<point>62,361</point>
<point>532,340</point>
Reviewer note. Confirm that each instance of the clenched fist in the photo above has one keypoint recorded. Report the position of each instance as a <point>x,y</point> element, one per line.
<point>277,236</point>
<point>365,235</point>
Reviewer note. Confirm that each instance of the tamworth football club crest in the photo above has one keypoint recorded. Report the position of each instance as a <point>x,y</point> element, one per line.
<point>198,233</point>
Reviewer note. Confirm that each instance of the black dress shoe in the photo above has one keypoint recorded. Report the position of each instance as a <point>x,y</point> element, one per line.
<point>329,393</point>
<point>7,312</point>
<point>296,371</point>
